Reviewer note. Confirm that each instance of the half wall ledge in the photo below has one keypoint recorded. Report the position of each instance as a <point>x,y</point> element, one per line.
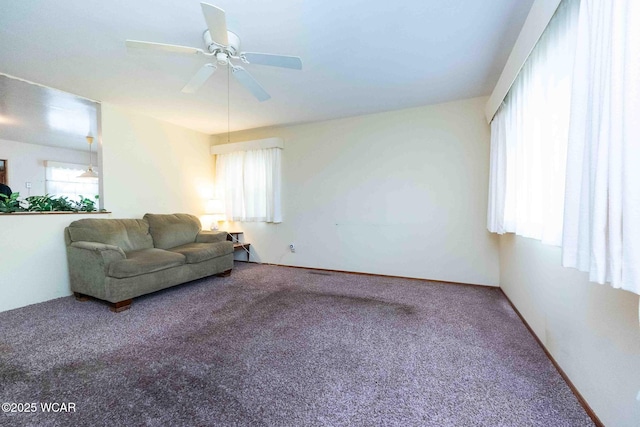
<point>53,213</point>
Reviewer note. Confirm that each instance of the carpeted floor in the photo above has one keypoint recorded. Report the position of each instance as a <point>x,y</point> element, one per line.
<point>276,346</point>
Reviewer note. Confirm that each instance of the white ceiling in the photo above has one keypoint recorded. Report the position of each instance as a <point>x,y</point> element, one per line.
<point>359,56</point>
<point>39,115</point>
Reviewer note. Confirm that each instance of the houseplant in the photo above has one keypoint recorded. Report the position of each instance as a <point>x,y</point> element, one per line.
<point>46,203</point>
<point>9,204</point>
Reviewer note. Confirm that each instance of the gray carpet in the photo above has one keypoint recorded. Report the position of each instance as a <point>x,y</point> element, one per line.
<point>276,346</point>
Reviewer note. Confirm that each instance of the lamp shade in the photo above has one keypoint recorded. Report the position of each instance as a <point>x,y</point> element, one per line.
<point>89,173</point>
<point>215,207</point>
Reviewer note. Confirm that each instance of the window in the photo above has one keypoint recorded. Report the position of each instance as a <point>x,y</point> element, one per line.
<point>62,180</point>
<point>564,144</point>
<point>529,137</point>
<point>249,184</point>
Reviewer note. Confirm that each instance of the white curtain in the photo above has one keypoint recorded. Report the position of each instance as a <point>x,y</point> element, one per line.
<point>497,174</point>
<point>529,137</point>
<point>249,182</point>
<point>602,211</point>
<point>61,179</point>
<point>230,182</point>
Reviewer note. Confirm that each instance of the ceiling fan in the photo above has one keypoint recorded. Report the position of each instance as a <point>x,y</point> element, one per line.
<point>223,46</point>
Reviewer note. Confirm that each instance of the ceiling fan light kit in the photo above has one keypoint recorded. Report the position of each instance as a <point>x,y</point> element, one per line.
<point>223,46</point>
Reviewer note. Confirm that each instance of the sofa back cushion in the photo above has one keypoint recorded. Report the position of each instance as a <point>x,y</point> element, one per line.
<point>169,231</point>
<point>128,234</point>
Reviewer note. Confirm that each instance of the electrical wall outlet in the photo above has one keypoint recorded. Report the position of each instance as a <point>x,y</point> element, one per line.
<point>27,184</point>
<point>292,247</point>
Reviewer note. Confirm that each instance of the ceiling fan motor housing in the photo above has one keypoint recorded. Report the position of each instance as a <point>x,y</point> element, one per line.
<point>224,46</point>
<point>231,49</point>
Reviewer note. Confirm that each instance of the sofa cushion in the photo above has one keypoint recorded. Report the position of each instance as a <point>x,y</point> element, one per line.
<point>198,252</point>
<point>127,234</point>
<point>169,231</point>
<point>144,261</point>
<point>211,236</point>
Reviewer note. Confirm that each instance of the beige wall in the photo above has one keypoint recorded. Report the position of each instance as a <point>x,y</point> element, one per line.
<point>591,330</point>
<point>149,166</point>
<point>153,166</point>
<point>33,264</point>
<point>399,193</point>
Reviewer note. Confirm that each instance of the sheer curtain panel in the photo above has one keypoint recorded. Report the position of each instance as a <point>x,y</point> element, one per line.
<point>529,137</point>
<point>230,183</point>
<point>249,183</point>
<point>602,211</point>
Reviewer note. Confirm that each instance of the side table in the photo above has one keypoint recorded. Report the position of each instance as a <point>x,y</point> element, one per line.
<point>234,236</point>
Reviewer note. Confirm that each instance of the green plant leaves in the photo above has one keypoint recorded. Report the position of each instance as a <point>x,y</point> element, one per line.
<point>9,204</point>
<point>86,205</point>
<point>46,203</point>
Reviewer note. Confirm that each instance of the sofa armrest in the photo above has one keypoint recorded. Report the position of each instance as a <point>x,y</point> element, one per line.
<point>211,236</point>
<point>101,247</point>
<point>88,264</point>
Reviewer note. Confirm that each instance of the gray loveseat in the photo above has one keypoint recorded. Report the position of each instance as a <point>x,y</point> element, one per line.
<point>117,260</point>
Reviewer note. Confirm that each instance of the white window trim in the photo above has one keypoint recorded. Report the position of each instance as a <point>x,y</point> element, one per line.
<point>257,144</point>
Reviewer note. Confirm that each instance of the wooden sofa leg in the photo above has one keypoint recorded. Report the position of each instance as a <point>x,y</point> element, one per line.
<point>81,297</point>
<point>119,306</point>
<point>224,273</point>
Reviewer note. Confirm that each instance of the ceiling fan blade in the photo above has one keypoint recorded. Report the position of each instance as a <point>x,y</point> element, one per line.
<point>174,48</point>
<point>216,23</point>
<point>199,78</point>
<point>250,83</point>
<point>283,61</point>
